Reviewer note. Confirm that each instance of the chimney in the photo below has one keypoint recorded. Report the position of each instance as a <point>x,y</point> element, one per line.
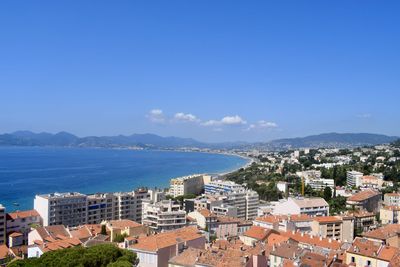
<point>320,238</point>
<point>330,240</point>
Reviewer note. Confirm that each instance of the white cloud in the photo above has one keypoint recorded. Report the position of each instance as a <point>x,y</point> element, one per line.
<point>262,124</point>
<point>228,120</point>
<point>186,117</point>
<point>267,124</point>
<point>156,115</point>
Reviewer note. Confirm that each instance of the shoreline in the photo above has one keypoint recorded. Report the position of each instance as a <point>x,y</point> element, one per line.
<point>25,203</point>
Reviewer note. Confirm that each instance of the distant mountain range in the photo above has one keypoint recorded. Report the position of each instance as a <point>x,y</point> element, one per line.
<point>27,138</point>
<point>340,140</point>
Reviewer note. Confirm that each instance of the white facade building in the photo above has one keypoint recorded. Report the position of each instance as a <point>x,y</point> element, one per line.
<point>310,206</point>
<point>192,184</point>
<point>354,178</point>
<point>320,184</point>
<point>221,187</point>
<point>69,209</point>
<point>163,216</point>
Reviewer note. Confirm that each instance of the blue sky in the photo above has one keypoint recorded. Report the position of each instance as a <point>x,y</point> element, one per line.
<point>211,70</point>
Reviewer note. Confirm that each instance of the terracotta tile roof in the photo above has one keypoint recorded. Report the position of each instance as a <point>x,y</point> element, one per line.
<point>365,247</point>
<point>155,242</point>
<point>328,219</point>
<point>187,258</point>
<point>310,202</point>
<point>206,213</point>
<point>360,213</point>
<point>81,233</point>
<point>60,244</point>
<point>258,233</point>
<point>274,239</point>
<point>53,231</point>
<point>232,253</point>
<point>286,251</point>
<point>387,253</point>
<point>382,233</point>
<point>363,195</point>
<point>122,224</point>
<point>314,260</point>
<point>3,251</point>
<point>22,214</point>
<point>312,240</point>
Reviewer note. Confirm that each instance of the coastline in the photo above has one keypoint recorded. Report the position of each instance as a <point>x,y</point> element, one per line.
<point>80,174</point>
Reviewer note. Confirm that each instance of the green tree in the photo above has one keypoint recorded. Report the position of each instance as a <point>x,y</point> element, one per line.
<point>327,193</point>
<point>105,255</point>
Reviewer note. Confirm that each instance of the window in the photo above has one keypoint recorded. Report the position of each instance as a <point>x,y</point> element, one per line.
<point>368,263</point>
<point>353,259</point>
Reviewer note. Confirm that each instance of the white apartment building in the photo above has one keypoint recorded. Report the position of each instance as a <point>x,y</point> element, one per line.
<point>354,178</point>
<point>392,199</point>
<point>2,224</point>
<point>224,210</point>
<point>101,207</point>
<point>221,187</point>
<point>192,184</point>
<point>130,204</point>
<point>310,206</point>
<point>163,216</point>
<point>252,203</point>
<point>69,209</point>
<point>320,183</point>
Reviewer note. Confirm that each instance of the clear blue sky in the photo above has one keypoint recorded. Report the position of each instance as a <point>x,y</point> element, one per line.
<point>211,70</point>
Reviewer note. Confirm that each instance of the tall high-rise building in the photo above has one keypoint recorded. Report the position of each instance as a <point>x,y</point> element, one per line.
<point>69,209</point>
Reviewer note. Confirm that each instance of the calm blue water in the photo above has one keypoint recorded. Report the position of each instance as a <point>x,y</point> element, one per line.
<point>26,171</point>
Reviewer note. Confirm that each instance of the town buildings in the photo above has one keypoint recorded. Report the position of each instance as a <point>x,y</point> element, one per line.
<point>354,178</point>
<point>391,199</point>
<point>192,184</point>
<point>368,199</point>
<point>310,206</point>
<point>335,227</point>
<point>157,250</point>
<point>68,209</point>
<point>163,216</point>
<point>20,223</point>
<point>389,215</point>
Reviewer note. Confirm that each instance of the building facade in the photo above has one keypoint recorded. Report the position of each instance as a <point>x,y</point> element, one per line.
<point>163,216</point>
<point>21,222</point>
<point>192,184</point>
<point>69,209</point>
<point>354,178</point>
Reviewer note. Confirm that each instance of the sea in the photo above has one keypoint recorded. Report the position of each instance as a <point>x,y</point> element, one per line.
<point>27,171</point>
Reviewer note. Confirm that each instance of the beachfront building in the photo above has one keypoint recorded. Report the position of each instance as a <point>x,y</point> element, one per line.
<point>221,187</point>
<point>2,224</point>
<point>20,223</point>
<point>69,209</point>
<point>311,206</point>
<point>192,184</point>
<point>163,216</point>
